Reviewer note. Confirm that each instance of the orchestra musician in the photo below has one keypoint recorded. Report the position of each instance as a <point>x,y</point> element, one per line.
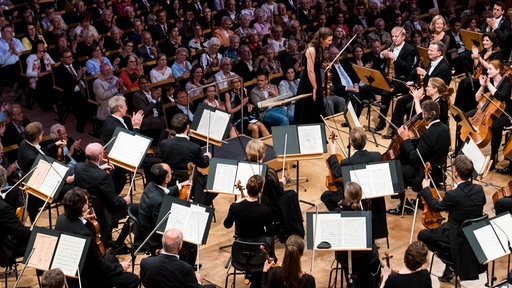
<point>438,67</point>
<point>91,175</point>
<point>464,202</point>
<point>98,271</point>
<point>497,83</point>
<point>15,236</point>
<point>284,204</point>
<point>178,151</point>
<point>151,199</point>
<point>309,109</point>
<point>433,147</point>
<point>360,155</point>
<point>403,56</point>
<point>468,86</point>
<point>436,91</point>
<point>500,24</point>
<point>416,255</point>
<point>167,269</point>
<point>253,220</point>
<point>276,277</point>
<point>53,278</point>
<point>365,264</point>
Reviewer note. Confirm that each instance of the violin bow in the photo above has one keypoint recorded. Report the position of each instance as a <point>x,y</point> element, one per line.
<point>429,175</point>
<point>337,142</point>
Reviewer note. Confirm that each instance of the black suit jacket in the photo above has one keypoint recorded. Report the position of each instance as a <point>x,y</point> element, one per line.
<point>95,268</point>
<point>403,64</point>
<point>503,32</point>
<point>377,205</point>
<point>109,126</point>
<point>141,102</point>
<point>150,203</point>
<point>442,71</point>
<point>178,152</point>
<point>158,33</point>
<point>143,52</point>
<point>242,69</point>
<point>11,226</point>
<point>167,271</point>
<point>65,79</point>
<point>464,202</point>
<point>339,89</point>
<point>11,134</point>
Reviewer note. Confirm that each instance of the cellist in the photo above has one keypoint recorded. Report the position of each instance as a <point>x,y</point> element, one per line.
<point>498,85</point>
<point>464,202</point>
<point>433,146</point>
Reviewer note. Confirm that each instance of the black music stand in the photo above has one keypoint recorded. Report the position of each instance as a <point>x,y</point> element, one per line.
<point>374,79</point>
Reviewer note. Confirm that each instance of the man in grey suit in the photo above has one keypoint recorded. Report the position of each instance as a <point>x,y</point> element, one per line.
<point>148,101</point>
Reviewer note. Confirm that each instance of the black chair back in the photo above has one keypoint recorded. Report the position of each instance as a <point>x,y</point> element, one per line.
<point>247,256</point>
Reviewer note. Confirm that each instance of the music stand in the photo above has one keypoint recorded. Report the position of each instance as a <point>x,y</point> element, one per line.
<point>372,78</point>
<point>470,38</point>
<point>461,118</point>
<point>423,56</point>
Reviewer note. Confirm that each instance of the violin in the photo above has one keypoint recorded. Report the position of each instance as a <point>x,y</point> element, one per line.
<point>482,120</point>
<point>503,192</point>
<point>330,182</point>
<point>416,127</point>
<point>390,64</point>
<point>184,193</point>
<point>328,77</point>
<point>93,226</point>
<point>60,149</point>
<point>240,188</point>
<point>430,219</point>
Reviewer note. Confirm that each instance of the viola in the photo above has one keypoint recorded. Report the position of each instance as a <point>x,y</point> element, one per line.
<point>93,226</point>
<point>416,127</point>
<point>487,109</point>
<point>330,182</point>
<point>429,218</point>
<point>240,188</point>
<point>184,193</point>
<point>503,192</point>
<point>60,150</point>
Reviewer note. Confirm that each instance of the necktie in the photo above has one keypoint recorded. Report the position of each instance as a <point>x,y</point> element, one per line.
<point>344,76</point>
<point>199,8</point>
<point>72,71</point>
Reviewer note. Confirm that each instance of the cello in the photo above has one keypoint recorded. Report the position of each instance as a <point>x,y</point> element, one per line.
<point>429,218</point>
<point>93,226</point>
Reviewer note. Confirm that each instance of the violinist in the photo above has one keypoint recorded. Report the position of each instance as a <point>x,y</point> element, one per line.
<point>438,67</point>
<point>468,86</point>
<point>98,271</point>
<point>178,151</point>
<point>497,83</point>
<point>290,273</point>
<point>71,152</point>
<point>359,156</point>
<point>437,91</point>
<point>365,264</point>
<point>411,275</point>
<point>464,202</point>
<point>433,147</point>
<point>400,57</point>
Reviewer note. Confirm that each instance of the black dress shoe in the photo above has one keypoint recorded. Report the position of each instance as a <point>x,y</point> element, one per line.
<point>506,170</point>
<point>447,275</point>
<point>380,126</point>
<point>398,210</point>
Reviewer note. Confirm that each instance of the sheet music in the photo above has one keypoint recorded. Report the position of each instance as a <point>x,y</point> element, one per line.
<point>471,150</point>
<point>129,149</point>
<point>375,180</point>
<point>343,233</point>
<point>353,232</point>
<point>37,178</point>
<point>502,226</point>
<point>224,180</point>
<point>68,254</point>
<point>352,116</point>
<point>310,139</point>
<point>219,122</point>
<point>244,172</point>
<point>190,220</point>
<point>44,246</point>
<point>489,243</point>
<point>53,178</point>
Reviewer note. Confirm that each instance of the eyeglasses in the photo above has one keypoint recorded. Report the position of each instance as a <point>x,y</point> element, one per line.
<point>129,46</point>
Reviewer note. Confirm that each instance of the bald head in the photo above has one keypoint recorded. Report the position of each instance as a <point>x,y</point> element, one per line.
<point>94,152</point>
<point>172,240</point>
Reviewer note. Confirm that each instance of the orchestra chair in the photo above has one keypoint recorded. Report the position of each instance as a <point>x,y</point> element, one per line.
<point>12,267</point>
<point>246,258</point>
<point>337,268</point>
<point>138,234</point>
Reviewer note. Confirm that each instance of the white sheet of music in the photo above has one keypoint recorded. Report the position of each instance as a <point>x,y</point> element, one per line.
<point>328,229</point>
<point>343,233</point>
<point>37,177</point>
<point>375,180</point>
<point>190,220</point>
<point>44,246</point>
<point>471,150</point>
<point>354,232</point>
<point>352,115</point>
<point>53,178</point>
<point>68,254</point>
<point>503,227</point>
<point>219,121</point>
<point>244,172</point>
<point>310,139</point>
<point>129,149</point>
<point>225,176</point>
<point>489,243</point>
